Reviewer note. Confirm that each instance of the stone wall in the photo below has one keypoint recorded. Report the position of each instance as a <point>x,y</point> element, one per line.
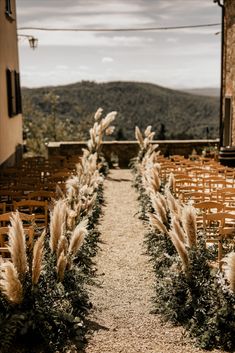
<point>229,62</point>
<point>123,151</point>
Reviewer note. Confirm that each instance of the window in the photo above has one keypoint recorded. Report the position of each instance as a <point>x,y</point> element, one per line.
<point>9,9</point>
<point>13,93</point>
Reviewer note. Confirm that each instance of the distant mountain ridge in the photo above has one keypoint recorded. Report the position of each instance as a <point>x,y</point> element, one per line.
<point>173,114</point>
<point>205,91</point>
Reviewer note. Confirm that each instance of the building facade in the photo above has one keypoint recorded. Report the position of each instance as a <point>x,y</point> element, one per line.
<point>11,139</point>
<point>227,113</point>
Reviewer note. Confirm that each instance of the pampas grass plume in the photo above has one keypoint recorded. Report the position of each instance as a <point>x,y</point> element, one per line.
<point>190,224</point>
<point>17,244</point>
<point>37,258</point>
<point>61,266</point>
<point>176,227</point>
<point>62,246</point>
<point>156,223</point>
<point>10,284</point>
<point>139,136</point>
<point>77,238</point>
<point>58,217</point>
<point>180,248</point>
<point>229,269</point>
<point>159,209</point>
<point>98,114</point>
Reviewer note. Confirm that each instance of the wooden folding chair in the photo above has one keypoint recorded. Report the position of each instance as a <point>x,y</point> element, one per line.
<point>4,231</point>
<point>38,208</point>
<point>217,226</point>
<point>206,207</point>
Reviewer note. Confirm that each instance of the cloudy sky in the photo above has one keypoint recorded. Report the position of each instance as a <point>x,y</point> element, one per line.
<point>186,58</point>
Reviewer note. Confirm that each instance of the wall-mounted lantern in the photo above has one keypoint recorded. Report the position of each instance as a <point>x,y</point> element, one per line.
<point>33,42</point>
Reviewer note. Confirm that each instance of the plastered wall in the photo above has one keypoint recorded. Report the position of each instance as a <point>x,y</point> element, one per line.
<point>10,128</point>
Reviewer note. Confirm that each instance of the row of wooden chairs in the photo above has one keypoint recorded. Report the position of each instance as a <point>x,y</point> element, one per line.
<point>210,188</point>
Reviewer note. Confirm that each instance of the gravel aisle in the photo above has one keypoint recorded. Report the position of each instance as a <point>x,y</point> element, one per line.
<point>122,304</point>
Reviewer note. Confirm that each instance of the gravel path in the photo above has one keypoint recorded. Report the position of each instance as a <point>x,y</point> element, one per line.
<point>121,317</point>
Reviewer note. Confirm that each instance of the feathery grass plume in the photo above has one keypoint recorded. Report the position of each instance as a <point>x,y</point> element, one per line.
<point>91,203</point>
<point>62,246</point>
<point>10,284</point>
<point>229,269</point>
<point>148,131</point>
<point>156,182</point>
<point>73,183</point>
<point>170,185</point>
<point>109,131</point>
<point>158,208</point>
<point>180,248</point>
<point>176,227</point>
<point>37,258</point>
<point>17,244</point>
<point>156,165</point>
<point>59,192</point>
<point>162,200</point>
<point>156,223</point>
<point>98,114</point>
<point>110,117</point>
<point>190,224</point>
<point>71,218</point>
<point>139,137</point>
<point>77,238</point>
<point>58,220</point>
<point>173,204</point>
<point>61,266</point>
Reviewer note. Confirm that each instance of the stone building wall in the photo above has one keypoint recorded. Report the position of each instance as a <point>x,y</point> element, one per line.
<point>229,70</point>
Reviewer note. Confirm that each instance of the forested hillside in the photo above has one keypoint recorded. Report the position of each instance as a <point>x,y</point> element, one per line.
<point>173,114</point>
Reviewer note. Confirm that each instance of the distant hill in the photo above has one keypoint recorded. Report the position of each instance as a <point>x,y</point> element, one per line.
<point>172,114</point>
<point>208,91</point>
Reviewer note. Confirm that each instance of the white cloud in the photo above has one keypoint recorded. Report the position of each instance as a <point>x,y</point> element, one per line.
<point>61,67</point>
<point>107,59</point>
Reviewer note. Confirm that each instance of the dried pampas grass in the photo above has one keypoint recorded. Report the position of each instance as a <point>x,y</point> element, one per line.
<point>156,223</point>
<point>173,204</point>
<point>17,244</point>
<point>176,227</point>
<point>180,248</point>
<point>77,238</point>
<point>139,137</point>
<point>190,225</point>
<point>229,270</point>
<point>61,266</point>
<point>58,220</point>
<point>158,208</point>
<point>37,258</point>
<point>62,246</point>
<point>10,284</point>
<point>98,114</point>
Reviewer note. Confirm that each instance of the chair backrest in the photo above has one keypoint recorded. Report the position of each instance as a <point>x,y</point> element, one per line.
<point>209,206</point>
<point>2,207</point>
<point>38,208</point>
<point>4,231</point>
<point>27,219</point>
<point>219,219</point>
<point>41,195</point>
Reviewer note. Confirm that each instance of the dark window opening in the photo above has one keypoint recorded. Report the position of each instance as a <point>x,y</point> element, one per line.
<point>9,9</point>
<point>13,93</point>
<point>227,121</point>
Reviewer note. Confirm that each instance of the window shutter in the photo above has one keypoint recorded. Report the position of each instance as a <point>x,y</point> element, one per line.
<point>18,93</point>
<point>9,94</point>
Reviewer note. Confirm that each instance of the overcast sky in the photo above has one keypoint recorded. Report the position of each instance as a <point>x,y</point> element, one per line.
<point>185,58</point>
